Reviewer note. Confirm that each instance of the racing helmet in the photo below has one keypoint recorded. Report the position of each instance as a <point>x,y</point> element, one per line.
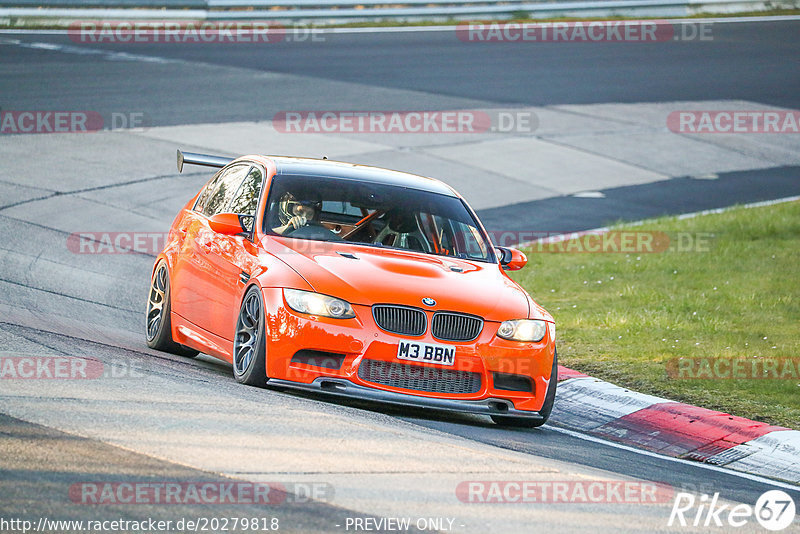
<point>288,202</point>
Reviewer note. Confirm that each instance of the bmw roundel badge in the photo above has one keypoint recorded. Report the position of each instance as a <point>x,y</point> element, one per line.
<point>427,301</point>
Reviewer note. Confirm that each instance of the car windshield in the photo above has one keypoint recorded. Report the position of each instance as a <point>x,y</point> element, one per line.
<point>380,215</point>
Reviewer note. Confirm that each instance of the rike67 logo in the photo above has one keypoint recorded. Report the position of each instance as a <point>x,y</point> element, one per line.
<point>774,510</point>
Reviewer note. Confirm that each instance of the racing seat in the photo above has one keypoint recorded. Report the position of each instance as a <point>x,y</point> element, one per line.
<point>402,231</point>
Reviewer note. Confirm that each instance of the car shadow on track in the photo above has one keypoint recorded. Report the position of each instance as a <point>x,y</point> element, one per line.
<point>406,412</point>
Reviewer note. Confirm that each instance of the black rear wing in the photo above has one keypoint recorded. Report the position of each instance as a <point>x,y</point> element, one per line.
<point>201,159</point>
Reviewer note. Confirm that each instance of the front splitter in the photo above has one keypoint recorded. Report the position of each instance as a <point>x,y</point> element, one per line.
<point>340,387</point>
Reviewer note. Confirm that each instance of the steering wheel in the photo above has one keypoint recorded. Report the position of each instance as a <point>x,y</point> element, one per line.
<point>311,231</point>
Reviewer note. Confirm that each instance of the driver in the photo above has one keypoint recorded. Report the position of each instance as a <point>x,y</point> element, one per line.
<point>295,213</point>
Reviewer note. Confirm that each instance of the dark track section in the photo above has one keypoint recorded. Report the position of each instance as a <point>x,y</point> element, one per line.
<point>631,203</point>
<point>746,61</point>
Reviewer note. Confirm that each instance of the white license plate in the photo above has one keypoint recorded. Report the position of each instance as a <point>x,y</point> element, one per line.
<point>426,353</point>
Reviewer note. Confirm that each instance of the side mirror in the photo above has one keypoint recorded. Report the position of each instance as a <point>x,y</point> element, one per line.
<point>226,223</point>
<point>511,259</point>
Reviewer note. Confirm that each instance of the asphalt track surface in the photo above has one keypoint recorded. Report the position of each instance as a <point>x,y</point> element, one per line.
<point>744,61</point>
<point>56,302</point>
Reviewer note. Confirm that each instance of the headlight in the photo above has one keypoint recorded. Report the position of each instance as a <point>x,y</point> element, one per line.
<point>317,304</point>
<point>522,330</point>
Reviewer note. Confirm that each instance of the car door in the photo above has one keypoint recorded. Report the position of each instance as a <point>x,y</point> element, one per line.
<point>235,258</point>
<point>195,297</point>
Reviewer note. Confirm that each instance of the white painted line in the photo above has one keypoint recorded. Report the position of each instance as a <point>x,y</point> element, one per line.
<point>45,46</point>
<point>740,474</point>
<point>84,51</point>
<point>589,194</point>
<point>761,204</point>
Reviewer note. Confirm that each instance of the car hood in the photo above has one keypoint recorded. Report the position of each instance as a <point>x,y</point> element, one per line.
<point>369,275</point>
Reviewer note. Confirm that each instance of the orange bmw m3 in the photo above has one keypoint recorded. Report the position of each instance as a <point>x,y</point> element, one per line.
<point>352,281</point>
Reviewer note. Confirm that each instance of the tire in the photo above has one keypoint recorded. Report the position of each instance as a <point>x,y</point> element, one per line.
<point>158,323</point>
<point>547,406</point>
<point>249,342</point>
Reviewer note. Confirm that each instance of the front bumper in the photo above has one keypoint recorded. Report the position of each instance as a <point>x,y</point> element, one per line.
<point>340,387</point>
<point>360,340</point>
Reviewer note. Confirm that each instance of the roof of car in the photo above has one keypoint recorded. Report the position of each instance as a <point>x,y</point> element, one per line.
<point>361,173</point>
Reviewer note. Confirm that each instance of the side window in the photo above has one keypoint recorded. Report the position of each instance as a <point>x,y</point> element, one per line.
<point>245,201</point>
<point>222,190</point>
<point>206,192</point>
